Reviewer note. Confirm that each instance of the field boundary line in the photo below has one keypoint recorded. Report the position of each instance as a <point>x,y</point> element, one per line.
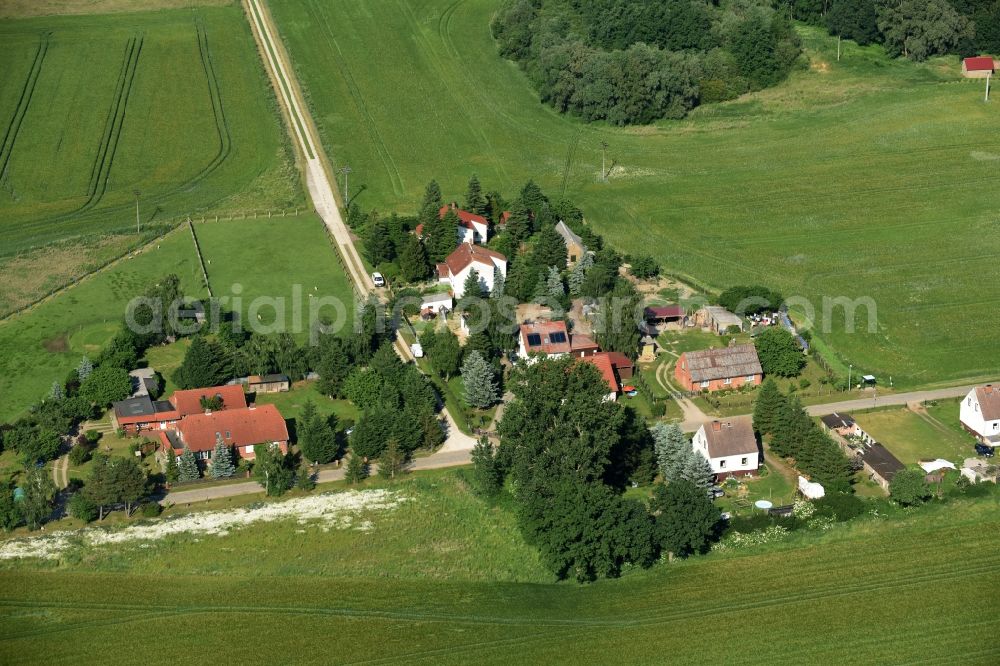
<point>108,264</point>
<point>201,259</point>
<point>21,110</point>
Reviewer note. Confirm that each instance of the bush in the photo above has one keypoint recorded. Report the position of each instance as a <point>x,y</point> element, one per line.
<point>79,454</point>
<point>150,509</point>
<point>840,506</point>
<point>804,383</point>
<point>92,436</point>
<point>82,508</point>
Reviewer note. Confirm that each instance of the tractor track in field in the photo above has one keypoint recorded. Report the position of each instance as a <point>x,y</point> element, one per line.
<point>395,178</point>
<point>27,92</point>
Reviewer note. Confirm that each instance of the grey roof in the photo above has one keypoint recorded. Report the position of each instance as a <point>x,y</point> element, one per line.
<point>835,421</point>
<point>730,437</point>
<point>722,316</point>
<point>163,406</point>
<point>140,406</point>
<point>723,362</point>
<point>268,379</point>
<point>568,235</point>
<point>881,461</point>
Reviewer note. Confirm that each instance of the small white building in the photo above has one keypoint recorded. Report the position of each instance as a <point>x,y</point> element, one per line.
<point>730,447</point>
<point>439,302</point>
<point>980,414</point>
<point>467,258</point>
<point>472,228</point>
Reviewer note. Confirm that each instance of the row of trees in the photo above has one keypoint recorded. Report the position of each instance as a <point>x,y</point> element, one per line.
<point>793,434</point>
<point>631,61</point>
<point>915,29</point>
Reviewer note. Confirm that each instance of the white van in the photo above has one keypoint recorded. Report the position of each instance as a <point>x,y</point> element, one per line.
<point>378,280</point>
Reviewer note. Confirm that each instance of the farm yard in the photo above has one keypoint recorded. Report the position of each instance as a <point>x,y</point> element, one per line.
<point>172,104</point>
<point>858,178</point>
<point>445,577</point>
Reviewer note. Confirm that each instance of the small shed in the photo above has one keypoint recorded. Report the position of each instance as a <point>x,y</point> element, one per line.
<point>647,349</point>
<point>718,319</point>
<point>978,67</point>
<point>663,313</point>
<point>268,383</point>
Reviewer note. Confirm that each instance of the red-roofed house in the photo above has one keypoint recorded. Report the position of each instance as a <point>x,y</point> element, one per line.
<point>241,428</point>
<point>978,67</point>
<point>472,228</point>
<point>980,414</point>
<point>717,369</point>
<point>141,413</point>
<point>547,338</point>
<point>582,345</point>
<point>615,368</point>
<point>467,258</point>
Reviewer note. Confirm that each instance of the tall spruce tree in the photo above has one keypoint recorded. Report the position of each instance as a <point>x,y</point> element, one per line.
<point>390,463</point>
<point>767,406</point>
<point>578,274</point>
<point>357,470</point>
<point>222,460</point>
<point>378,241</point>
<point>697,470</point>
<point>204,365</point>
<point>672,448</point>
<point>413,264</point>
<point>475,202</point>
<point>550,248</point>
<point>487,476</point>
<point>188,466</point>
<point>84,369</point>
<point>431,205</point>
<point>317,436</point>
<point>481,389</point>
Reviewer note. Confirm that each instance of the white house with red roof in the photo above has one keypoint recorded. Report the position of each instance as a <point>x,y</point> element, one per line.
<point>980,414</point>
<point>468,257</point>
<point>472,228</point>
<point>729,445</point>
<point>544,338</point>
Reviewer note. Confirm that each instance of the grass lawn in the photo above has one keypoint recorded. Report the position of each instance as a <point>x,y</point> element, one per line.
<point>42,344</point>
<point>173,104</point>
<point>912,437</point>
<point>277,265</point>
<point>290,404</point>
<point>447,580</point>
<point>781,187</point>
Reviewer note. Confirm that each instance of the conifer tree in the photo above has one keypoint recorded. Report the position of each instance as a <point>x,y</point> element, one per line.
<point>554,285</point>
<point>550,248</point>
<point>57,392</point>
<point>498,283</point>
<point>767,406</point>
<point>204,365</point>
<point>188,466</point>
<point>170,469</point>
<point>378,241</point>
<point>481,389</point>
<point>357,470</point>
<point>473,286</point>
<point>222,460</point>
<point>474,200</point>
<point>488,479</point>
<point>390,463</point>
<point>672,449</point>
<point>413,265</point>
<point>85,368</point>
<point>317,437</point>
<point>429,209</point>
<point>697,470</point>
<point>579,273</point>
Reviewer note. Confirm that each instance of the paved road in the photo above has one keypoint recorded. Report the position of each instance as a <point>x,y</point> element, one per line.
<point>438,460</point>
<point>894,399</point>
<point>318,180</point>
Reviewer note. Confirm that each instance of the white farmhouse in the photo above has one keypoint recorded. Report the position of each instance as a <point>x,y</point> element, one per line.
<point>980,414</point>
<point>467,258</point>
<point>730,446</point>
<point>472,228</point>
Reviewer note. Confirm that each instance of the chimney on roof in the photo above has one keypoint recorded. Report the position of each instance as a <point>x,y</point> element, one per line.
<point>716,426</point>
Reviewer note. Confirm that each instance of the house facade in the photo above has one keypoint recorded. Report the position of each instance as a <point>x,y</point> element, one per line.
<point>468,257</point>
<point>730,447</point>
<point>472,228</point>
<point>718,369</point>
<point>980,414</point>
<point>575,249</point>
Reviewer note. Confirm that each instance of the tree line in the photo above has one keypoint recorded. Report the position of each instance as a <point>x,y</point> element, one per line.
<point>916,29</point>
<point>634,61</point>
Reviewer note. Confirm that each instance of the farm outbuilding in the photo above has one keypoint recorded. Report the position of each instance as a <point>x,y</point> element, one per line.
<point>718,319</point>
<point>880,465</point>
<point>978,67</point>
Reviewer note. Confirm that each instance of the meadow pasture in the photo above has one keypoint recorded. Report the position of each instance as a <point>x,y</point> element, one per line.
<point>863,178</point>
<point>173,105</point>
<point>42,344</point>
<point>444,578</point>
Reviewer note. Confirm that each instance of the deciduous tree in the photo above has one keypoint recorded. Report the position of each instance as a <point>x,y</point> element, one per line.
<point>686,519</point>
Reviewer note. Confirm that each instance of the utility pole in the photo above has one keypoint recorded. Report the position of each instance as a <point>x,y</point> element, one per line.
<point>136,193</point>
<point>604,150</point>
<point>988,74</point>
<point>850,375</point>
<point>838,48</point>
<point>346,169</point>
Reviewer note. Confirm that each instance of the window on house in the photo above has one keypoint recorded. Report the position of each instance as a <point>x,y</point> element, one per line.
<point>743,461</point>
<point>229,435</point>
<point>750,378</point>
<point>729,380</point>
<point>705,384</point>
<point>722,464</point>
<point>250,449</point>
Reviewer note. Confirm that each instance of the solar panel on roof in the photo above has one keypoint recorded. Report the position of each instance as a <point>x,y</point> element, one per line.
<point>557,337</point>
<point>534,339</point>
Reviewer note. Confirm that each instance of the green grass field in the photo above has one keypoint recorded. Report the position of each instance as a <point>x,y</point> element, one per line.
<point>912,437</point>
<point>445,579</point>
<point>277,262</point>
<point>174,104</point>
<point>42,344</point>
<point>860,178</point>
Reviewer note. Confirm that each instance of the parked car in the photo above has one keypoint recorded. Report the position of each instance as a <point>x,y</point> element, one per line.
<point>715,492</point>
<point>984,450</point>
<point>377,279</point>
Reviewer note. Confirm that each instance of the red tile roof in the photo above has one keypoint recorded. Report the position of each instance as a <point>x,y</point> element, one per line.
<point>581,342</point>
<point>189,401</point>
<point>467,253</point>
<point>979,64</point>
<point>465,218</point>
<point>664,312</point>
<point>607,368</point>
<point>545,330</point>
<point>245,427</point>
